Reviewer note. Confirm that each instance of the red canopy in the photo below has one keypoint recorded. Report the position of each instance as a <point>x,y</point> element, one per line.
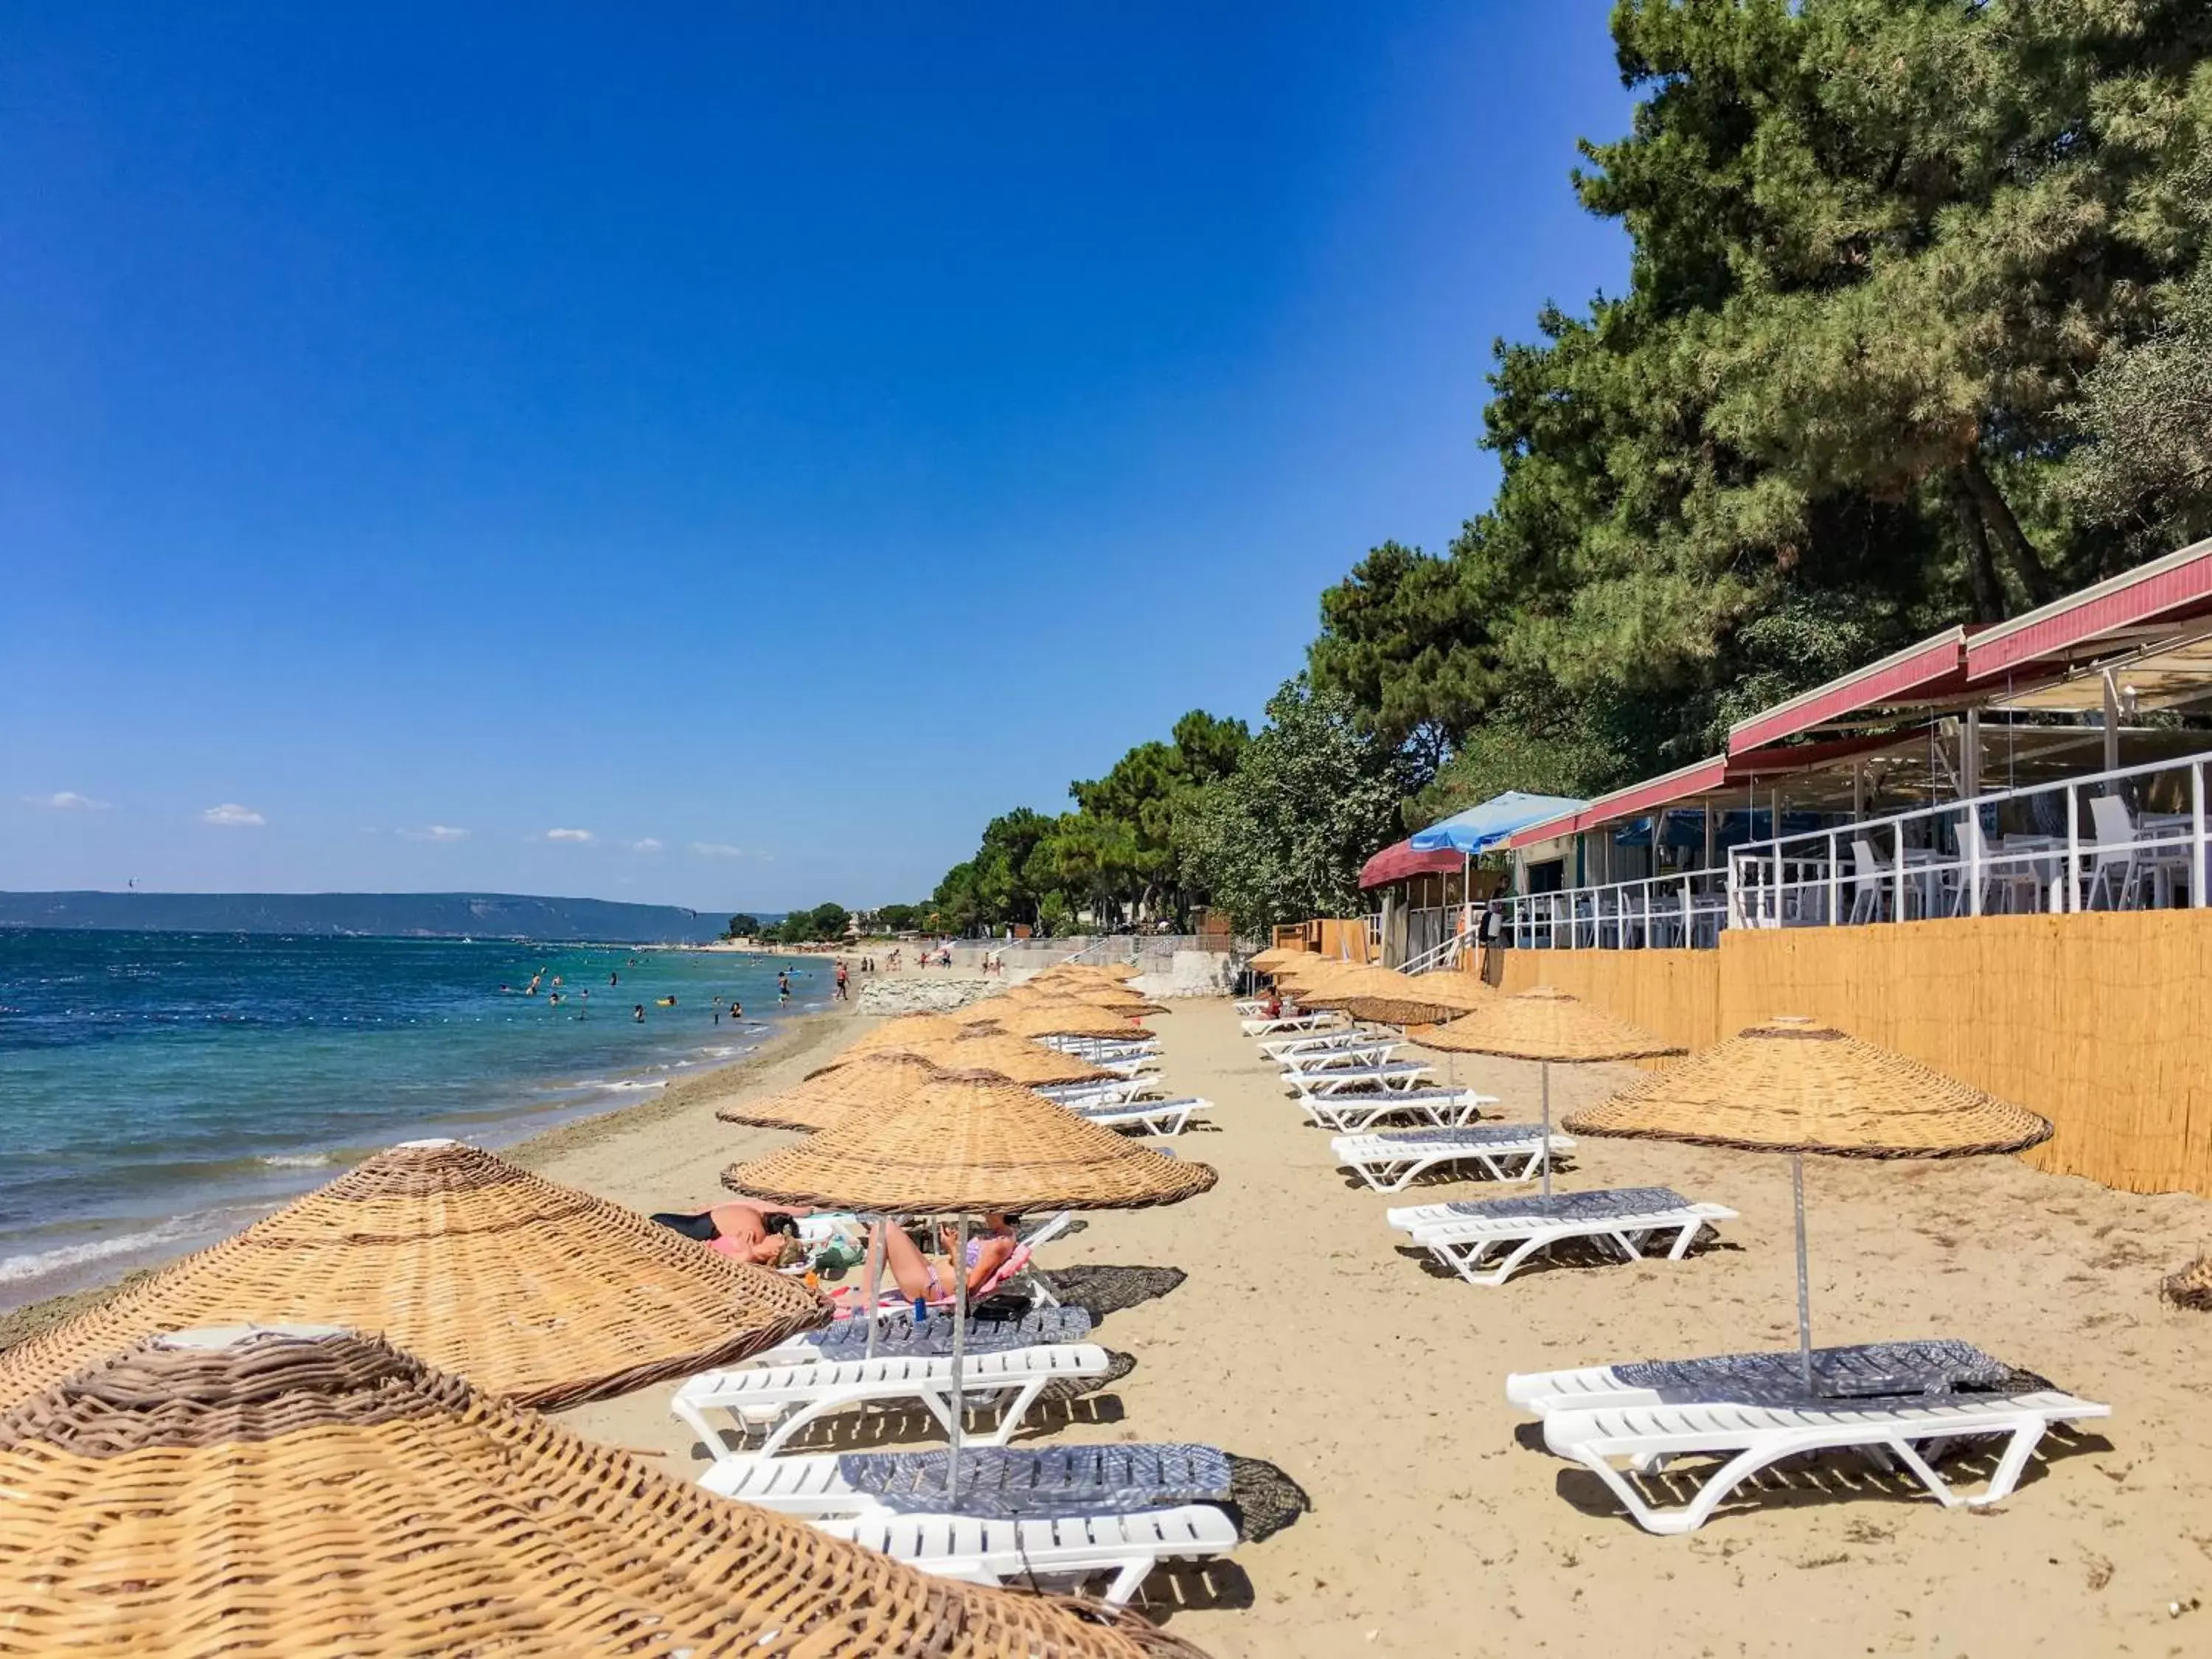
<point>1399,862</point>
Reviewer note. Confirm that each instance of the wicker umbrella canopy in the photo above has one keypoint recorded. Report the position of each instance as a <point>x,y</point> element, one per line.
<point>975,1142</point>
<point>825,1100</point>
<point>972,1141</point>
<point>1276,956</point>
<point>1546,1024</point>
<point>1794,1086</point>
<point>902,1032</point>
<point>1386,995</point>
<point>1061,1019</point>
<point>1027,1063</point>
<point>309,1492</point>
<point>1790,1085</point>
<point>532,1291</point>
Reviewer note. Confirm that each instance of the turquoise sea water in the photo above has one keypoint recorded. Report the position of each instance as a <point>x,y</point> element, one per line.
<point>157,1090</point>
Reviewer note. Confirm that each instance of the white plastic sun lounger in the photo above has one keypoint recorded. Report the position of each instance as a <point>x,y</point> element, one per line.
<point>1100,1091</point>
<point>1390,1161</point>
<point>1313,1022</point>
<point>1442,1109</point>
<point>1754,1437</point>
<point>786,1399</point>
<point>1074,1548</point>
<point>1361,1079</point>
<point>1463,1236</point>
<point>1159,1117</point>
<point>1352,1056</point>
<point>819,1486</point>
<point>1286,1050</point>
<point>1912,1365</point>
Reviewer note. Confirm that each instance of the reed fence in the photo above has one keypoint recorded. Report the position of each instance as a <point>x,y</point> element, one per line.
<point>2095,1020</point>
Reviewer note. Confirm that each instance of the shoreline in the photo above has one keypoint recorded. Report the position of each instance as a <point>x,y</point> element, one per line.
<point>800,1033</point>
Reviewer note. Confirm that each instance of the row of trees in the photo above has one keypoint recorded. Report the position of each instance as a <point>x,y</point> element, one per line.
<point>1919,329</point>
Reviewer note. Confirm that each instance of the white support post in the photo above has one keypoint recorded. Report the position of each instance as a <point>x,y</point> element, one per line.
<point>2197,863</point>
<point>2072,849</point>
<point>1689,920</point>
<point>1896,899</point>
<point>1835,884</point>
<point>1969,770</point>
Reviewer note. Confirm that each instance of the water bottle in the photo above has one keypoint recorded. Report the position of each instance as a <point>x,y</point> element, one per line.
<point>920,1312</point>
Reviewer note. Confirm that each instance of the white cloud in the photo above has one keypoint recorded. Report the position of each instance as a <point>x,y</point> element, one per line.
<point>436,832</point>
<point>232,816</point>
<point>66,800</point>
<point>569,834</point>
<point>718,849</point>
<point>649,845</point>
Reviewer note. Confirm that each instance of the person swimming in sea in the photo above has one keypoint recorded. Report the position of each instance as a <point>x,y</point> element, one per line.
<point>664,1002</point>
<point>614,979</point>
<point>638,1013</point>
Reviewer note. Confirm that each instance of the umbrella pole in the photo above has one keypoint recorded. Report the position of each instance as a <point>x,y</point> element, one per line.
<point>1804,1286</point>
<point>959,1353</point>
<point>1547,1129</point>
<point>869,1269</point>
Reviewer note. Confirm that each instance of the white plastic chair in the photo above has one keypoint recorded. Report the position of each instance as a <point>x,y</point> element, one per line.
<point>2118,871</point>
<point>1869,892</point>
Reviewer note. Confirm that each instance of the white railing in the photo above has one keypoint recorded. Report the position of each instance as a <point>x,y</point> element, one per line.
<point>1106,947</point>
<point>1444,953</point>
<point>1687,908</point>
<point>1958,860</point>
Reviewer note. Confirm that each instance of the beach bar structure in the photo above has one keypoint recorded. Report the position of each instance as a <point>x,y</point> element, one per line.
<point>2053,763</point>
<point>1988,851</point>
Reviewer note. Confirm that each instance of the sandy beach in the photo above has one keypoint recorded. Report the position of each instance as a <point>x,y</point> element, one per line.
<point>1304,1336</point>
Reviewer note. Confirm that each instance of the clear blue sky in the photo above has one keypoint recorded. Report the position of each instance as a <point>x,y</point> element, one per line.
<point>795,431</point>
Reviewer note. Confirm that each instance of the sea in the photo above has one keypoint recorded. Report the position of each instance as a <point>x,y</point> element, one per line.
<point>160,1090</point>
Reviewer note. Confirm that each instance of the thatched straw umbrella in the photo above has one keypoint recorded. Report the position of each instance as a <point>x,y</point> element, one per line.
<point>826,1099</point>
<point>1794,1086</point>
<point>1029,1064</point>
<point>1390,998</point>
<point>1276,957</point>
<point>535,1292</point>
<point>308,1492</point>
<point>902,1032</point>
<point>1545,1024</point>
<point>974,1143</point>
<point>1058,1020</point>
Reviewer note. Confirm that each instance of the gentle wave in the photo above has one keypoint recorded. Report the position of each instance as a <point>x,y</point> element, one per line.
<point>299,1160</point>
<point>37,1265</point>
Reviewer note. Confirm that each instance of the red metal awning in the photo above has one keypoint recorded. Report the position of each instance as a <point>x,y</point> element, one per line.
<point>2094,622</point>
<point>1630,802</point>
<point>1401,862</point>
<point>1922,672</point>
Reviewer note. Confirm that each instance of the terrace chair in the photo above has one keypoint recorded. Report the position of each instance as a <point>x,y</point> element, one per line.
<point>1753,1437</point>
<point>1159,1117</point>
<point>784,1400</point>
<point>1463,1237</point>
<point>1869,889</point>
<point>2118,871</point>
<point>980,1550</point>
<point>1440,1108</point>
<point>1390,1161</point>
<point>1397,1074</point>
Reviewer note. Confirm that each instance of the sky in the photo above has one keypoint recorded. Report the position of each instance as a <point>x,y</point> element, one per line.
<point>720,454</point>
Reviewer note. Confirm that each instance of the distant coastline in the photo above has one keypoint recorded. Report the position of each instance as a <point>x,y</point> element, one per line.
<point>368,915</point>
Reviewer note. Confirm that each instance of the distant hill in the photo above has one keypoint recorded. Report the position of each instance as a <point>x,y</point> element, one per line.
<point>385,916</point>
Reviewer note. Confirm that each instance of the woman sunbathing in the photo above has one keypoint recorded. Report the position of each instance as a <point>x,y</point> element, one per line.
<point>930,1277</point>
